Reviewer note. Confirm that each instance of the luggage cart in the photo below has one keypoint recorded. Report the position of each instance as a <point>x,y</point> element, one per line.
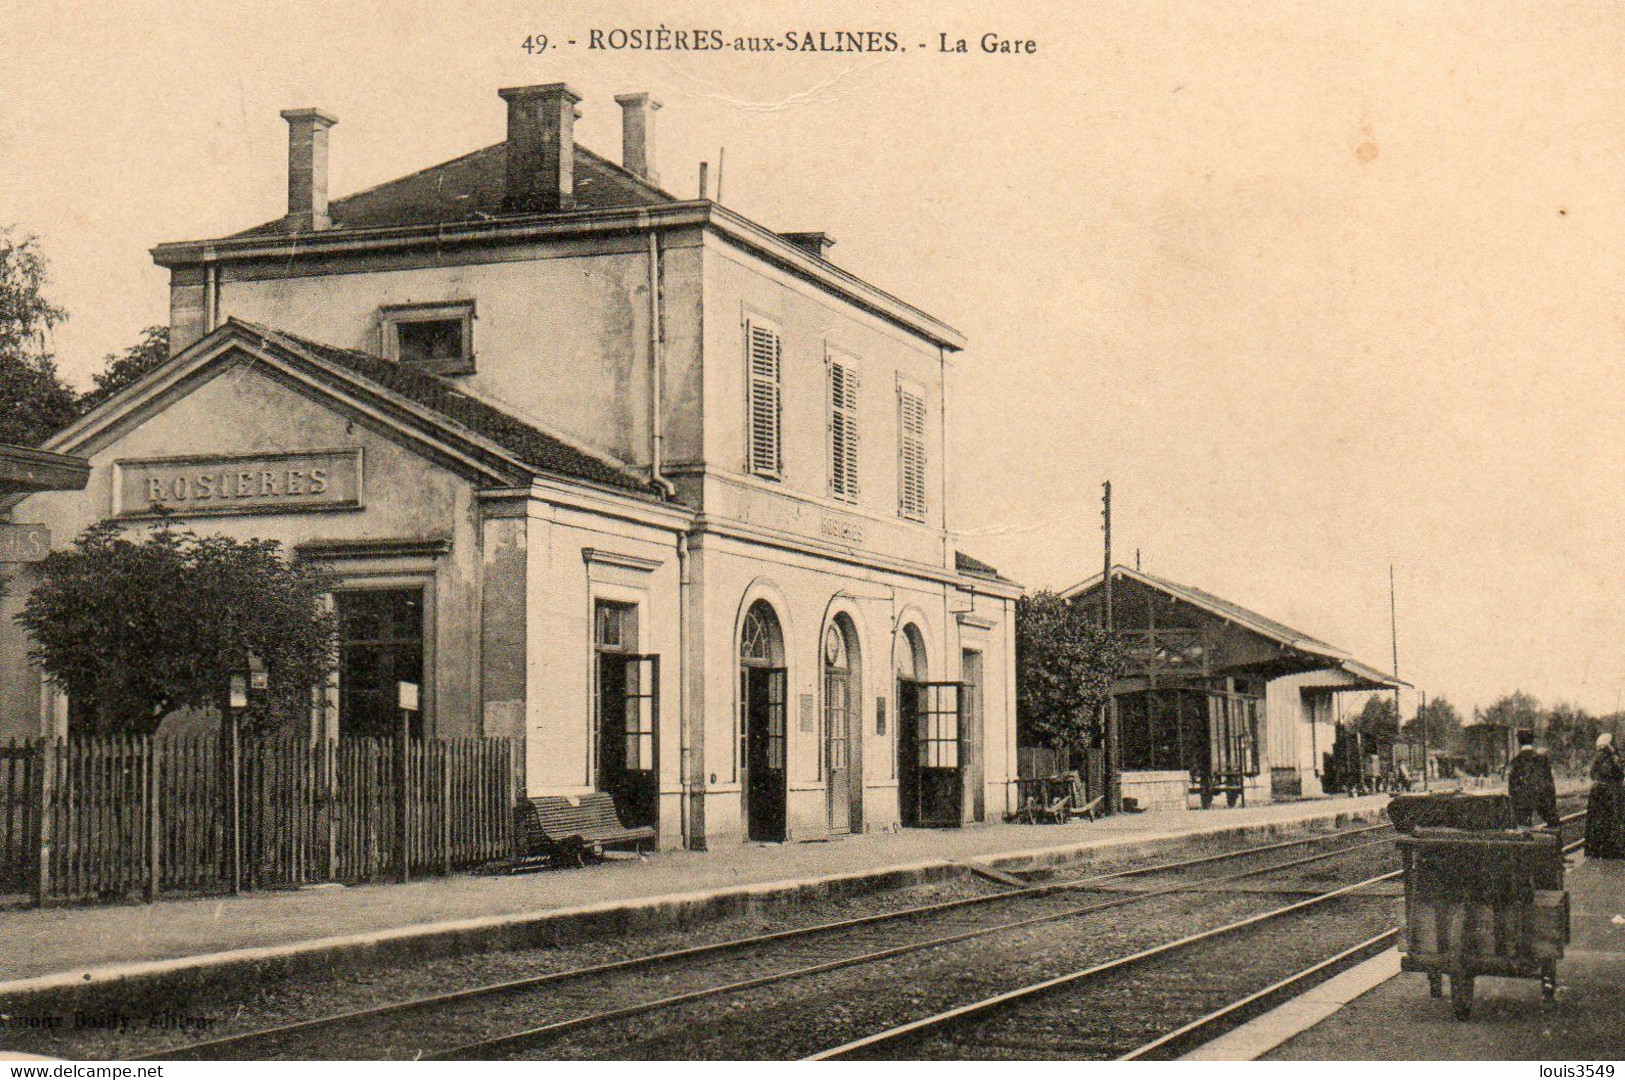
<point>1483,902</point>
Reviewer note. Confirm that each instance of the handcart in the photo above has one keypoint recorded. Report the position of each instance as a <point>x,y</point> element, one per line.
<point>1479,900</point>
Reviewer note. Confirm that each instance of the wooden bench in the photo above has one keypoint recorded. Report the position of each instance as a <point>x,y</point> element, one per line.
<point>562,828</point>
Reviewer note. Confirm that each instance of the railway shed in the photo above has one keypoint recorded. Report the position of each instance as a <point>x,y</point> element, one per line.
<point>1218,704</point>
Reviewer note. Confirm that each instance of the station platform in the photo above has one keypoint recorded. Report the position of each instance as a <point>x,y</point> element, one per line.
<point>1377,1012</point>
<point>59,949</point>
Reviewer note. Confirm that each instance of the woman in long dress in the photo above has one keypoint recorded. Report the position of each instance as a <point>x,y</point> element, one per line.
<point>1605,811</point>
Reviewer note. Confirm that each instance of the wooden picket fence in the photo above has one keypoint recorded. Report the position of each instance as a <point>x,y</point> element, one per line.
<point>113,816</point>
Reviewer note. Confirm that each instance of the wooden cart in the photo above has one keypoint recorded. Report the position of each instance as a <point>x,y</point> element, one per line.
<point>1483,902</point>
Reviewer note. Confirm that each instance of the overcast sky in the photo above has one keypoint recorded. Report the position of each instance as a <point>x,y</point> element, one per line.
<point>1319,286</point>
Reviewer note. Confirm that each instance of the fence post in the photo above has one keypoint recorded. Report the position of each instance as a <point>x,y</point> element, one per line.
<point>445,807</point>
<point>403,797</point>
<point>155,836</point>
<point>234,797</point>
<point>46,781</point>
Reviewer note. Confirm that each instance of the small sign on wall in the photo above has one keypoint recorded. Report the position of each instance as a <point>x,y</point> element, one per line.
<point>880,716</point>
<point>24,543</point>
<point>809,715</point>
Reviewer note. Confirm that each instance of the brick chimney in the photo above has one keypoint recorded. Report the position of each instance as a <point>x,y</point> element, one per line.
<point>541,147</point>
<point>638,134</point>
<point>307,168</point>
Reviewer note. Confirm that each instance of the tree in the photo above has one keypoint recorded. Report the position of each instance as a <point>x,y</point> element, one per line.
<point>1378,722</point>
<point>122,369</point>
<point>1515,711</point>
<point>1065,664</point>
<point>34,401</point>
<point>134,630</point>
<point>1441,723</point>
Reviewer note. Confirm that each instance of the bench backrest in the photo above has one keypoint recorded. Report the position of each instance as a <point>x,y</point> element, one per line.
<point>555,817</point>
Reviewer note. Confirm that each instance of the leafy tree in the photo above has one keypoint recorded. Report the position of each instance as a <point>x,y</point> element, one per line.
<point>1065,664</point>
<point>1441,722</point>
<point>1515,710</point>
<point>132,630</point>
<point>122,369</point>
<point>34,401</point>
<point>1378,722</point>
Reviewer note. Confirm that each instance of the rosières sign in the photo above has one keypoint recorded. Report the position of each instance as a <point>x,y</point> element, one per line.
<point>259,483</point>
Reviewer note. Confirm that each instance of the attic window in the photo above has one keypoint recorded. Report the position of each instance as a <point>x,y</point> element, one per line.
<point>438,338</point>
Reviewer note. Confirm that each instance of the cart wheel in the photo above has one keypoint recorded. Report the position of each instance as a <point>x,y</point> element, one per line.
<point>1548,980</point>
<point>1435,985</point>
<point>1461,996</point>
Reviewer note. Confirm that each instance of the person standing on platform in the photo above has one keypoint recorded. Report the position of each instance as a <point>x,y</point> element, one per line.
<point>1605,810</point>
<point>1530,784</point>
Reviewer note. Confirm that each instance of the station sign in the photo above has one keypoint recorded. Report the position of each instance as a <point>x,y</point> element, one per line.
<point>250,484</point>
<point>24,543</point>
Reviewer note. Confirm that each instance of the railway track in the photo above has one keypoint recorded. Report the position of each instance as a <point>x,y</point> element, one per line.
<point>1133,999</point>
<point>571,1001</point>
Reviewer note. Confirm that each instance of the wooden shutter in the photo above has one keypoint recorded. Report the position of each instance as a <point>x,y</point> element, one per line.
<point>843,430</point>
<point>910,453</point>
<point>764,354</point>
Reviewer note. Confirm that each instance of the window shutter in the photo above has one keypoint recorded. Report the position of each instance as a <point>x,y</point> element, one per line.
<point>843,430</point>
<point>910,454</point>
<point>764,354</point>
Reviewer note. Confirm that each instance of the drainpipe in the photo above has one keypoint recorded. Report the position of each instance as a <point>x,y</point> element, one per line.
<point>683,750</point>
<point>657,373</point>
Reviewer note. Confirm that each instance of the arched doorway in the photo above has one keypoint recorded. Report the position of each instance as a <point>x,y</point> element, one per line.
<point>763,730</point>
<point>843,731</point>
<point>929,784</point>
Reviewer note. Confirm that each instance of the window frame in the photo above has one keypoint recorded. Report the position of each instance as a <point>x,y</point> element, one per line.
<point>842,422</point>
<point>773,470</point>
<point>392,316</point>
<point>906,508</point>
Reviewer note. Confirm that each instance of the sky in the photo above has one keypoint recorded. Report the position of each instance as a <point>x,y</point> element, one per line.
<point>1321,287</point>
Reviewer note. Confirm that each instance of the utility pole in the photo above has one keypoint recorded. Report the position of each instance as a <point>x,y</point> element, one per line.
<point>1114,761</point>
<point>1393,636</point>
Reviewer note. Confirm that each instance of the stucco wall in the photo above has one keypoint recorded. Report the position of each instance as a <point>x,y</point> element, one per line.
<point>807,592</point>
<point>632,563</point>
<point>239,410</point>
<point>811,322</point>
<point>561,332</point>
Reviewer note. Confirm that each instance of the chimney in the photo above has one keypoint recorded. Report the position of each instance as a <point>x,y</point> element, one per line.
<point>541,147</point>
<point>813,243</point>
<point>638,134</point>
<point>307,168</point>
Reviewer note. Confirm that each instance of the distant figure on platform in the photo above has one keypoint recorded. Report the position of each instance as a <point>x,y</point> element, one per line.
<point>1605,810</point>
<point>1530,784</point>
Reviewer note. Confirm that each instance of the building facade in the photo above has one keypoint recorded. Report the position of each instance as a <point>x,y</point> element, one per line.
<point>634,479</point>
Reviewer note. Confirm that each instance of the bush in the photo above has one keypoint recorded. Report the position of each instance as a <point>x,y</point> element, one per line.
<point>131,631</point>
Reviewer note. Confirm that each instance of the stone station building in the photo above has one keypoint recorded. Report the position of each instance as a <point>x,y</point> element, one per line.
<point>651,487</point>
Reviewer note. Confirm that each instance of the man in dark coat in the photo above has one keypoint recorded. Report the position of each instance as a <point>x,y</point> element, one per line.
<point>1530,784</point>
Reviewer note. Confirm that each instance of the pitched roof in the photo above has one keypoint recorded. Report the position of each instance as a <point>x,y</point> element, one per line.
<point>1252,620</point>
<point>545,452</point>
<point>1216,605</point>
<point>470,188</point>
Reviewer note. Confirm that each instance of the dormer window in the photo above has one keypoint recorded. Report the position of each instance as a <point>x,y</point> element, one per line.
<point>439,338</point>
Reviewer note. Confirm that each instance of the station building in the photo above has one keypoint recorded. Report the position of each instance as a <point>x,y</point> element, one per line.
<point>651,487</point>
<point>1218,704</point>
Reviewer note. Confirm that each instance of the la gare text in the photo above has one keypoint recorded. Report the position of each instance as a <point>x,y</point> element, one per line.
<point>665,39</point>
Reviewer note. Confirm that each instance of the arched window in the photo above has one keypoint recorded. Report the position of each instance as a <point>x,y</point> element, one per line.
<point>759,638</point>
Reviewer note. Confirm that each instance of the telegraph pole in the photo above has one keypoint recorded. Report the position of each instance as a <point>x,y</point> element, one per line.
<point>1393,637</point>
<point>1114,763</point>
